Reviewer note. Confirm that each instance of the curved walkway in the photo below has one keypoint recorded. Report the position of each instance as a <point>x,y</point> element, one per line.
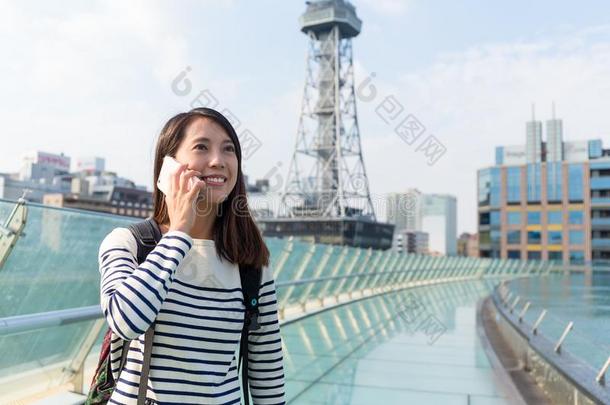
<point>418,345</point>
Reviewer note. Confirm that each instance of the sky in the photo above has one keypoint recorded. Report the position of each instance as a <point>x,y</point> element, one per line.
<point>100,78</point>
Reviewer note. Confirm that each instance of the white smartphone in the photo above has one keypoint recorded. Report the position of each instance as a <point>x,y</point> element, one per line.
<point>168,168</point>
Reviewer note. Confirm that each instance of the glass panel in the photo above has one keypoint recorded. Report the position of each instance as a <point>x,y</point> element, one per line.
<point>554,217</point>
<point>533,182</point>
<point>577,257</point>
<point>575,217</point>
<point>533,237</point>
<point>484,186</point>
<point>577,237</point>
<point>513,218</point>
<point>533,255</point>
<point>54,266</point>
<point>553,178</point>
<point>513,237</point>
<point>554,238</point>
<point>533,217</point>
<point>575,182</point>
<point>513,184</point>
<point>495,186</point>
<point>494,218</point>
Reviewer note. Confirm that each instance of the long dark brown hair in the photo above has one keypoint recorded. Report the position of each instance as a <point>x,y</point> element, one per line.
<point>236,235</point>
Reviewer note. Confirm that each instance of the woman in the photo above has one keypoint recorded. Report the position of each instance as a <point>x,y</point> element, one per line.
<point>189,285</point>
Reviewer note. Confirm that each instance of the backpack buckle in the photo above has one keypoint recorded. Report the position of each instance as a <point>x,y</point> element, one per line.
<point>252,320</point>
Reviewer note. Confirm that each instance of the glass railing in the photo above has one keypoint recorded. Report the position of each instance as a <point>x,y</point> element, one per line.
<point>53,267</point>
<point>563,328</point>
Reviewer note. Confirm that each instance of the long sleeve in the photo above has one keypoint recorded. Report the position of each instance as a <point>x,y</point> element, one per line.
<point>131,295</point>
<point>265,360</point>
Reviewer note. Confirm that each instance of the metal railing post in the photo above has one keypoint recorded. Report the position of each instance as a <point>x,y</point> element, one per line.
<point>563,336</point>
<point>522,314</point>
<point>538,321</point>
<point>601,377</point>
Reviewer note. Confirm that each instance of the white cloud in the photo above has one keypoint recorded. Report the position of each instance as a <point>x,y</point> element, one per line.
<point>480,98</point>
<point>84,78</point>
<point>88,80</point>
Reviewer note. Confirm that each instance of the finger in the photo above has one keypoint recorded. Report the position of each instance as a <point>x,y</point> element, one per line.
<point>197,186</point>
<point>185,178</point>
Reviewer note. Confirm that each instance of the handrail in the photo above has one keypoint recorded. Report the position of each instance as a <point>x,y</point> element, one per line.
<point>552,352</point>
<point>27,323</point>
<point>30,322</point>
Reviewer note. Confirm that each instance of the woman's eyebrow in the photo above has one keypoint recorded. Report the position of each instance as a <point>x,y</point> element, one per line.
<point>205,139</point>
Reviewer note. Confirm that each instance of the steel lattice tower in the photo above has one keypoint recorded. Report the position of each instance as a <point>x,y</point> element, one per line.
<point>327,177</point>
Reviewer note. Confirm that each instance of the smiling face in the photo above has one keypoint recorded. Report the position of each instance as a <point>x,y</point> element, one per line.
<point>208,149</point>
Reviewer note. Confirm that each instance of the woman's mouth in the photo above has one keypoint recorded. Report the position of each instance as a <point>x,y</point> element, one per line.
<point>214,180</point>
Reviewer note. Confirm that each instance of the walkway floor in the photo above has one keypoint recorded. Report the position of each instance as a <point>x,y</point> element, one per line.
<point>417,346</point>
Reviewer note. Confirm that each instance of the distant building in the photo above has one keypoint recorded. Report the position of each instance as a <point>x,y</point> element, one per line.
<point>440,222</point>
<point>546,200</point>
<point>404,210</point>
<point>48,179</point>
<point>468,245</point>
<point>411,242</point>
<point>434,214</point>
<point>91,164</point>
<point>119,200</point>
<point>43,167</point>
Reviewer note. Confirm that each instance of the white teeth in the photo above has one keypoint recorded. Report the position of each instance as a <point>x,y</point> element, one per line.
<point>216,179</point>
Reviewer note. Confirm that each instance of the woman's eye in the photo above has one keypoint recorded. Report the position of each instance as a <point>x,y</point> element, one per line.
<point>200,145</point>
<point>230,148</point>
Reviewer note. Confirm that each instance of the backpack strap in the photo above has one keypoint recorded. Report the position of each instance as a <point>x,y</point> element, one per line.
<point>147,235</point>
<point>250,285</point>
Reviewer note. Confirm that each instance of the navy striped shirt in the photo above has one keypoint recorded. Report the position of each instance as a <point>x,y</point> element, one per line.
<point>196,302</point>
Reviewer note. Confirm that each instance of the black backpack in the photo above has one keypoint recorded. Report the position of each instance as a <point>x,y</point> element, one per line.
<point>147,235</point>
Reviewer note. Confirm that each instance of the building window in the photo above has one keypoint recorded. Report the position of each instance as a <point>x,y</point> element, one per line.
<point>514,254</point>
<point>554,217</point>
<point>556,255</point>
<point>494,218</point>
<point>575,217</point>
<point>554,238</point>
<point>577,237</point>
<point>533,255</point>
<point>533,182</point>
<point>513,218</point>
<point>484,238</point>
<point>513,237</point>
<point>484,218</point>
<point>484,186</point>
<point>533,217</point>
<point>577,257</point>
<point>575,182</point>
<point>533,237</point>
<point>553,181</point>
<point>495,237</point>
<point>513,185</point>
<point>595,149</point>
<point>495,186</point>
<point>499,155</point>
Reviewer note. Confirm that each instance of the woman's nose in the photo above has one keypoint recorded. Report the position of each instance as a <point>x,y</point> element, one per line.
<point>216,160</point>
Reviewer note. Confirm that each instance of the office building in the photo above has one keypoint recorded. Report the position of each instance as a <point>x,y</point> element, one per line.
<point>546,200</point>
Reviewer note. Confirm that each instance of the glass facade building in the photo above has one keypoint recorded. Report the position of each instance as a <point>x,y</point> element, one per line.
<point>546,200</point>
